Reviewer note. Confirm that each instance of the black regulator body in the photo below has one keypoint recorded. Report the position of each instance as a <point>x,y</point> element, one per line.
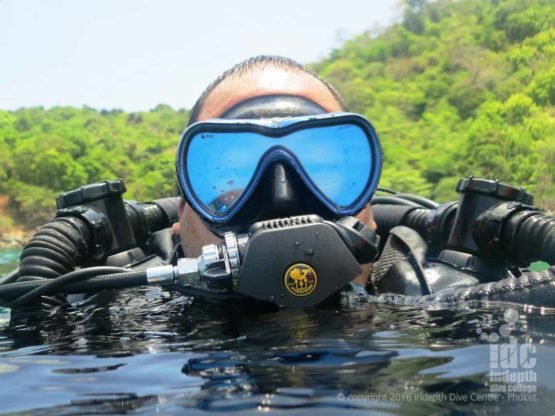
<point>115,224</point>
<point>300,261</point>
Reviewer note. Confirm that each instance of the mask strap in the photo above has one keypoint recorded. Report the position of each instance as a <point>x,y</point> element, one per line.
<point>273,106</point>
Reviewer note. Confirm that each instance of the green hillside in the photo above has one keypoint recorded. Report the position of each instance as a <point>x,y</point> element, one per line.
<point>454,89</point>
<point>457,89</point>
<point>45,152</point>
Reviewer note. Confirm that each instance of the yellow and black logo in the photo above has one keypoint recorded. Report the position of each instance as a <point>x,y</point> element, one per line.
<point>300,279</point>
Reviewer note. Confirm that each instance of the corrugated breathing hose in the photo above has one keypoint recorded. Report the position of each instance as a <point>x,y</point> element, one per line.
<point>56,249</point>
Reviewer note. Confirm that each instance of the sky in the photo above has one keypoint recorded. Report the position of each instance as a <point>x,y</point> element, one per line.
<point>136,54</point>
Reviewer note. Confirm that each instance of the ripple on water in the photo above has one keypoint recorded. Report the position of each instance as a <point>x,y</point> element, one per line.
<point>153,352</point>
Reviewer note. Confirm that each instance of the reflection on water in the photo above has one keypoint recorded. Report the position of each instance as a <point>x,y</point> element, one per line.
<point>147,351</point>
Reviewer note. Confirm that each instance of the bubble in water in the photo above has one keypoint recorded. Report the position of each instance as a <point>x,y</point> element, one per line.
<point>511,316</point>
<point>504,330</point>
<point>493,337</point>
<point>484,336</point>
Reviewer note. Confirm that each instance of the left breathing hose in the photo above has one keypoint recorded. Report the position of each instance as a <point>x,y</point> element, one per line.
<point>92,223</point>
<point>93,279</point>
<point>56,249</point>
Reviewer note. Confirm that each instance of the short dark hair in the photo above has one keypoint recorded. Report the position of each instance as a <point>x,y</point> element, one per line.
<point>253,63</point>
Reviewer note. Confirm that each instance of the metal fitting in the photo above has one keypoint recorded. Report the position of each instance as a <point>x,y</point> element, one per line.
<point>159,275</point>
<point>210,254</point>
<point>232,253</point>
<point>187,271</point>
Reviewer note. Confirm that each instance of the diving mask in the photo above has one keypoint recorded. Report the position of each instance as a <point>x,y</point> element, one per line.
<point>335,158</point>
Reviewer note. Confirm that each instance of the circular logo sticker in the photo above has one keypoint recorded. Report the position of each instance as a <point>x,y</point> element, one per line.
<point>300,279</point>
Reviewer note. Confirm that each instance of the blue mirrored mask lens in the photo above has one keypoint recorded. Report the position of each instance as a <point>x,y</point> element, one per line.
<point>221,165</point>
<point>220,162</point>
<point>337,161</point>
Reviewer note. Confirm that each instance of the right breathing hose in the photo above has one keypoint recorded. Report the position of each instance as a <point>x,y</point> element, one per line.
<point>527,235</point>
<point>531,236</point>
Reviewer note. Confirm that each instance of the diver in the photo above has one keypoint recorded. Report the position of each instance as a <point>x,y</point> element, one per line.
<point>268,87</point>
<point>219,192</point>
<point>276,181</point>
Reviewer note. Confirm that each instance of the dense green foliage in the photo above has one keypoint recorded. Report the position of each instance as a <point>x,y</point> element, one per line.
<point>45,152</point>
<point>454,89</point>
<point>457,89</point>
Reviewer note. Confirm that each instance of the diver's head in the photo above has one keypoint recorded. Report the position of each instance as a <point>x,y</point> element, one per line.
<point>262,87</point>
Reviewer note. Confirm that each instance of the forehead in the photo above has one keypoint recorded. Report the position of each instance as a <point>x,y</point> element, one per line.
<point>266,81</point>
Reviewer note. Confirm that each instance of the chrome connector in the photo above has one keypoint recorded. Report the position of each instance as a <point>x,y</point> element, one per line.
<point>187,271</point>
<point>224,260</point>
<point>160,275</point>
<point>210,254</point>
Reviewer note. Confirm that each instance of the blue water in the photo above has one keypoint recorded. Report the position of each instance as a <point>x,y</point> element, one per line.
<point>148,351</point>
<point>8,259</point>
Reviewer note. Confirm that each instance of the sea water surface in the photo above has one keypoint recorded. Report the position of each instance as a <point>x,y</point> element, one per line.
<point>149,351</point>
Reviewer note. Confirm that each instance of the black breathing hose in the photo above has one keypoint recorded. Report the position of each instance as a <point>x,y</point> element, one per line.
<point>53,284</point>
<point>65,242</point>
<point>389,216</point>
<point>527,235</point>
<point>530,235</point>
<point>56,249</point>
<point>85,280</point>
<point>148,217</point>
<point>10,276</point>
<point>48,261</point>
